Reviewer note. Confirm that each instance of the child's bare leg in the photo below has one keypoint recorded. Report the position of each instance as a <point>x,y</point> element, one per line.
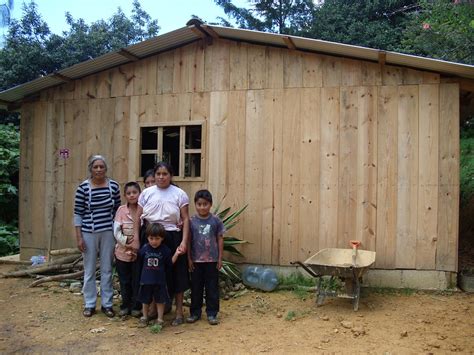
<point>179,304</point>
<point>145,309</point>
<point>160,309</point>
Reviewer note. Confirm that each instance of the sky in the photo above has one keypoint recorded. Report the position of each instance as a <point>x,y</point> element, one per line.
<point>171,15</point>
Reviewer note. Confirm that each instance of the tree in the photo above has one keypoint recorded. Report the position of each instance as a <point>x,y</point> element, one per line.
<point>375,24</point>
<point>281,16</point>
<point>442,29</point>
<point>31,49</point>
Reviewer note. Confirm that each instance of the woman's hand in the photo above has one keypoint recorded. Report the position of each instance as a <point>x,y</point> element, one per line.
<point>80,244</point>
<point>183,247</point>
<point>219,264</point>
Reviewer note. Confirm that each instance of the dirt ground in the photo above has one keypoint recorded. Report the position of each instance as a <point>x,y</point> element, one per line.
<point>49,319</point>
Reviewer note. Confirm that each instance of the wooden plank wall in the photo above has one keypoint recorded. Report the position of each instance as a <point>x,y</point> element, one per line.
<point>323,149</point>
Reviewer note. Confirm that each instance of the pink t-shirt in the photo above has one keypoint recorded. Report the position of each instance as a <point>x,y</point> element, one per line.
<point>163,205</point>
<point>126,253</point>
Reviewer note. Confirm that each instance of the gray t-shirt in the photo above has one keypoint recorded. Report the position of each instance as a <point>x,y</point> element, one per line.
<point>204,238</point>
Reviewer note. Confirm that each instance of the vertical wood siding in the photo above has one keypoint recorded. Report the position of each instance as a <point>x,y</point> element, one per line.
<point>323,149</point>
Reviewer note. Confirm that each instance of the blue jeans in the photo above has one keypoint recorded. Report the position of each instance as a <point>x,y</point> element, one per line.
<point>102,243</point>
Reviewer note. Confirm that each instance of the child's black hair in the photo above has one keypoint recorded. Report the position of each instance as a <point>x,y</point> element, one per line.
<point>204,194</point>
<point>131,184</point>
<point>155,230</point>
<point>148,173</point>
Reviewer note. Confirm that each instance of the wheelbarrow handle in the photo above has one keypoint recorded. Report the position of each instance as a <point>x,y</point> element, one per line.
<point>308,270</point>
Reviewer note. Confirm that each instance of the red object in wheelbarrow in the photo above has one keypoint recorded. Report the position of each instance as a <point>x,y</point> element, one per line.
<point>346,264</point>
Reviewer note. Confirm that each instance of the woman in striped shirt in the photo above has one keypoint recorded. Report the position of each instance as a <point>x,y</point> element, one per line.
<point>97,199</point>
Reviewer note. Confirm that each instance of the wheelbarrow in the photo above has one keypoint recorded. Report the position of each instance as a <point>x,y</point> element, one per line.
<point>347,265</point>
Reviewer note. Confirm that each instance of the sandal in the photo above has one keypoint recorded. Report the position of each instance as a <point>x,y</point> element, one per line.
<point>108,311</point>
<point>88,312</point>
<point>143,322</point>
<point>177,321</point>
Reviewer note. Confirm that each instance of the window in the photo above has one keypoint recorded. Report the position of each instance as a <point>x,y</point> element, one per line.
<point>178,145</point>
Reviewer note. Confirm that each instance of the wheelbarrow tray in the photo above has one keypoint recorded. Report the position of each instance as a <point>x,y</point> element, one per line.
<point>338,262</point>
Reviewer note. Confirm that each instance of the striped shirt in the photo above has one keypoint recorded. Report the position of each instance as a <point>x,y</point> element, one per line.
<point>94,208</point>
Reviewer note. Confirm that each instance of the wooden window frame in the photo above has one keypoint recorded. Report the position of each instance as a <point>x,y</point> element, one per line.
<point>179,175</point>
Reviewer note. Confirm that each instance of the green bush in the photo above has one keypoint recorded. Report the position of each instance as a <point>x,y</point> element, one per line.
<point>467,169</point>
<point>9,165</point>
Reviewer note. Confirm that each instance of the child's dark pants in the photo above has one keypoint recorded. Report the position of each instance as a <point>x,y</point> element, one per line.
<point>205,276</point>
<point>129,277</point>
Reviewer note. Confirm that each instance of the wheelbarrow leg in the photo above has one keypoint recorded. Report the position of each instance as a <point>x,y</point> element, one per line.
<point>320,294</point>
<point>356,292</point>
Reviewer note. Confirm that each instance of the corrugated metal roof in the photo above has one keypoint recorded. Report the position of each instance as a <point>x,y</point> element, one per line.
<point>188,34</point>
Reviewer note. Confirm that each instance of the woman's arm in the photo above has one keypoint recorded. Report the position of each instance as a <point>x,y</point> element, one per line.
<point>79,211</point>
<point>184,211</point>
<point>136,224</point>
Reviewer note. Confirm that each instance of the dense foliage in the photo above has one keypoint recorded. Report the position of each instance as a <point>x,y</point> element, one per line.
<point>9,159</point>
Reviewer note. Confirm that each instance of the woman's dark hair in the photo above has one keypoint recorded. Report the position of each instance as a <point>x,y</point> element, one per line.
<point>148,173</point>
<point>131,184</point>
<point>204,194</point>
<point>163,164</point>
<point>155,230</point>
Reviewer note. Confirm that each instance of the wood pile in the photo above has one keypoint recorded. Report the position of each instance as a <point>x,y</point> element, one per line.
<point>63,264</point>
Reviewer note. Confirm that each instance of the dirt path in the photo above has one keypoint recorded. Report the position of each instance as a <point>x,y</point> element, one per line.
<point>48,319</point>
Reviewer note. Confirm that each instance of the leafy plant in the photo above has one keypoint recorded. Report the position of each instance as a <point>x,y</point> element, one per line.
<point>290,315</point>
<point>230,220</point>
<point>9,243</point>
<point>155,328</point>
<point>467,169</point>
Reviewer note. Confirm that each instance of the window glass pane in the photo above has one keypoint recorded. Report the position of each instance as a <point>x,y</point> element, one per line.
<point>192,165</point>
<point>171,147</point>
<point>149,138</point>
<point>193,137</point>
<point>148,162</point>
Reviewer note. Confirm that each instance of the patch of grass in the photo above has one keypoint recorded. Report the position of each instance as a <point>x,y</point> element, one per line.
<point>155,328</point>
<point>296,279</point>
<point>302,294</point>
<point>290,315</point>
<point>390,291</point>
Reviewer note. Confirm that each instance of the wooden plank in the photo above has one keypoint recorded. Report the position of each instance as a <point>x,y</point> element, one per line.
<point>256,66</point>
<point>38,181</point>
<point>392,75</point>
<point>407,196</point>
<point>366,220</point>
<point>331,71</point>
<point>201,102</point>
<point>351,72</point>
<point>386,176</point>
<point>165,71</point>
<point>448,212</point>
<point>120,80</point>
<point>107,120</point>
<point>309,172</point>
<point>235,158</point>
<point>138,83</point>
<point>133,140</point>
<point>25,177</point>
<point>274,68</point>
<point>412,76</point>
<point>431,78</point>
<point>427,229</point>
<point>183,69</point>
<point>312,70</point>
<point>274,105</point>
<point>292,69</point>
<point>198,73</point>
<point>371,74</point>
<point>347,197</point>
<point>220,66</point>
<point>254,164</point>
<point>290,191</point>
<point>328,194</point>
<point>121,140</point>
<point>50,183</point>
<point>266,162</point>
<point>217,150</point>
<point>104,84</point>
<point>151,69</point>
<point>238,75</point>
